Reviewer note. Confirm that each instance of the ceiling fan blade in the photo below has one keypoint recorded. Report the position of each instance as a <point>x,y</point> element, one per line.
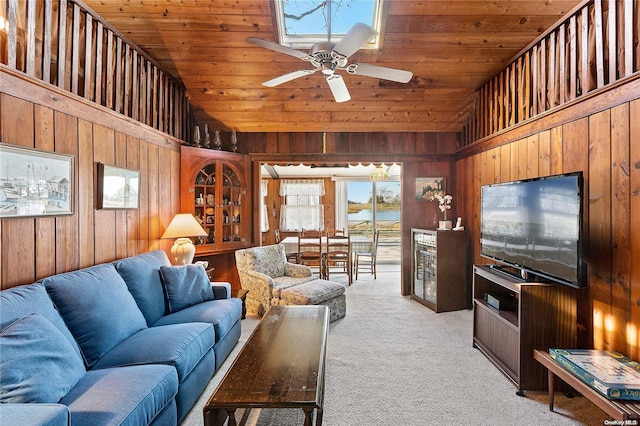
<point>401,76</point>
<point>354,39</point>
<point>288,77</point>
<point>278,48</point>
<point>338,88</point>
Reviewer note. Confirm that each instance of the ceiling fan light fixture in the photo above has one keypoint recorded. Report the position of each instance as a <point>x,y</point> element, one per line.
<point>329,58</point>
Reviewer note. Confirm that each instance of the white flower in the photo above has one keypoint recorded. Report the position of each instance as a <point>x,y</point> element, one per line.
<point>444,202</point>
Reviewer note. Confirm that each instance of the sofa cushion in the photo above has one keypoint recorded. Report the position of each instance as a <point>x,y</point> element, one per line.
<point>123,396</point>
<point>35,414</point>
<point>21,301</point>
<point>222,314</point>
<point>97,307</point>
<point>179,345</point>
<point>185,286</point>
<point>142,275</point>
<point>38,364</point>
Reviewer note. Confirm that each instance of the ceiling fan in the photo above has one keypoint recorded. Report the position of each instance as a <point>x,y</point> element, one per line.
<point>328,57</point>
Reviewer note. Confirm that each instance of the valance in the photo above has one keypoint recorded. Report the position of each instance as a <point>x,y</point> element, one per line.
<point>302,187</point>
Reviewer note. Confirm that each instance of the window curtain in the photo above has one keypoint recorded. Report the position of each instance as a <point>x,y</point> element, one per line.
<point>342,213</point>
<point>297,218</point>
<point>264,219</point>
<point>302,208</point>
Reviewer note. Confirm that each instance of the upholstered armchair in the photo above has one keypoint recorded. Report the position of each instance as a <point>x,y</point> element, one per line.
<point>265,273</point>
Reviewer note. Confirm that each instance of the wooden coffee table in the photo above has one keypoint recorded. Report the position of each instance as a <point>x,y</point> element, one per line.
<point>280,366</point>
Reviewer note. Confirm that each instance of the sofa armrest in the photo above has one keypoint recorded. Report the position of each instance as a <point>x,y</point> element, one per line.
<point>35,414</point>
<point>221,290</point>
<point>296,270</point>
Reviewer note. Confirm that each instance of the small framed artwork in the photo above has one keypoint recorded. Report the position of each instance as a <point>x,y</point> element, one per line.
<point>427,187</point>
<point>34,182</point>
<point>118,188</point>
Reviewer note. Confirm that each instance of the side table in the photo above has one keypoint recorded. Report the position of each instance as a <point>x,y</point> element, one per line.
<point>242,295</point>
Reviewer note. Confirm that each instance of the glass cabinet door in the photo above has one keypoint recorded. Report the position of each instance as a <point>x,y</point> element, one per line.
<point>232,194</point>
<point>425,265</point>
<point>205,203</point>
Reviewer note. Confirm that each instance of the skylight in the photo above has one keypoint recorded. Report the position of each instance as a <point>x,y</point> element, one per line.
<point>302,23</point>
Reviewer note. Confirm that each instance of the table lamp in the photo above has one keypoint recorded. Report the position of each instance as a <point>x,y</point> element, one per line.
<point>183,226</point>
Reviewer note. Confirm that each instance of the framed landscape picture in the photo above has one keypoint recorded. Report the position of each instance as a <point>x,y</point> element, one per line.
<point>34,182</point>
<point>118,188</point>
<point>428,186</point>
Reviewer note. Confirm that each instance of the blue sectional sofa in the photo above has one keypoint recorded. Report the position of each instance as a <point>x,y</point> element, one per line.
<point>132,342</point>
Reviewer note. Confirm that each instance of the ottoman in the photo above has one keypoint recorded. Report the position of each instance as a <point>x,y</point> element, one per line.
<point>318,292</point>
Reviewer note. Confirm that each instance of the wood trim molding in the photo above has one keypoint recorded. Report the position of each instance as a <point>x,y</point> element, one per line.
<point>317,158</point>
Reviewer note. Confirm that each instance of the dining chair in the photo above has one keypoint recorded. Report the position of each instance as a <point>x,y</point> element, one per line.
<point>292,257</point>
<point>310,249</point>
<point>338,254</point>
<point>368,256</point>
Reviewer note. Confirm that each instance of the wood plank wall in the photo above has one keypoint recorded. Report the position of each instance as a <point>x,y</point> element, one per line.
<point>37,116</point>
<point>601,138</point>
<point>593,46</point>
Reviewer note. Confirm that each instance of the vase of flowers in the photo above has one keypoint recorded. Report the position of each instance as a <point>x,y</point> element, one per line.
<point>444,204</point>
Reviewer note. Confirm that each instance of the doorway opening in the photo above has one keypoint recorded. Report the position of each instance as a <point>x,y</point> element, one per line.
<point>363,202</point>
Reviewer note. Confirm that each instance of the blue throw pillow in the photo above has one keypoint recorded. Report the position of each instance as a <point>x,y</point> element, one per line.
<point>97,307</point>
<point>142,275</point>
<point>38,364</point>
<point>185,286</point>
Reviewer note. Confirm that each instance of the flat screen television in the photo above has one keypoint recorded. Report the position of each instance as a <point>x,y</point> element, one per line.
<point>535,226</point>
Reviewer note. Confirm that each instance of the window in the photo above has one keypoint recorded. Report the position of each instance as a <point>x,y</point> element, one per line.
<point>301,23</point>
<point>302,208</point>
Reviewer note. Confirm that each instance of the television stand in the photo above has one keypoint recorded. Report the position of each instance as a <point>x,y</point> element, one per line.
<point>544,317</point>
<point>509,271</point>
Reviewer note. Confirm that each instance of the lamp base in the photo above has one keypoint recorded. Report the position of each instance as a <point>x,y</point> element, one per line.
<point>182,251</point>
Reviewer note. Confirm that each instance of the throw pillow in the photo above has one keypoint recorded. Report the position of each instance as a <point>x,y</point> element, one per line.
<point>97,307</point>
<point>185,286</point>
<point>142,275</point>
<point>38,364</point>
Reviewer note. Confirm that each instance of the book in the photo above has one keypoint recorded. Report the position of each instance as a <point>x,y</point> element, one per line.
<point>610,373</point>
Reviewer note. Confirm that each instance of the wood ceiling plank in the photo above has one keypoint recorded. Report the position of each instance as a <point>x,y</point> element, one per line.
<point>177,7</point>
<point>311,105</point>
<point>462,23</point>
<point>207,70</point>
<point>480,8</point>
<point>380,94</point>
<point>191,22</point>
<point>508,40</point>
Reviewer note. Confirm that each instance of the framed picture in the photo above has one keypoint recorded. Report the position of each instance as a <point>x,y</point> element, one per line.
<point>34,182</point>
<point>427,187</point>
<point>118,188</point>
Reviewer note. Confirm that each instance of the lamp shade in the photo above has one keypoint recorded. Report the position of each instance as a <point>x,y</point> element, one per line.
<point>184,225</point>
<point>379,174</point>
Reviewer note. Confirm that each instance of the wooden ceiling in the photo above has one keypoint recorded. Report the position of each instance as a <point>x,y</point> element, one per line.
<point>451,46</point>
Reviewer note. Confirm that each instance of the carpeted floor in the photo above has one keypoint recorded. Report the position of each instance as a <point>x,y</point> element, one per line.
<point>392,361</point>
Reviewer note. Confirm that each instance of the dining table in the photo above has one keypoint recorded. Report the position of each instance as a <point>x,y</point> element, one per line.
<point>358,243</point>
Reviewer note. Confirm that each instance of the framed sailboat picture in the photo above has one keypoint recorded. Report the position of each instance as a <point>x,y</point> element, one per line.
<point>34,182</point>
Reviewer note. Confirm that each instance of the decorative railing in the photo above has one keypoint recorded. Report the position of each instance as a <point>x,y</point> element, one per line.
<point>596,45</point>
<point>64,43</point>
